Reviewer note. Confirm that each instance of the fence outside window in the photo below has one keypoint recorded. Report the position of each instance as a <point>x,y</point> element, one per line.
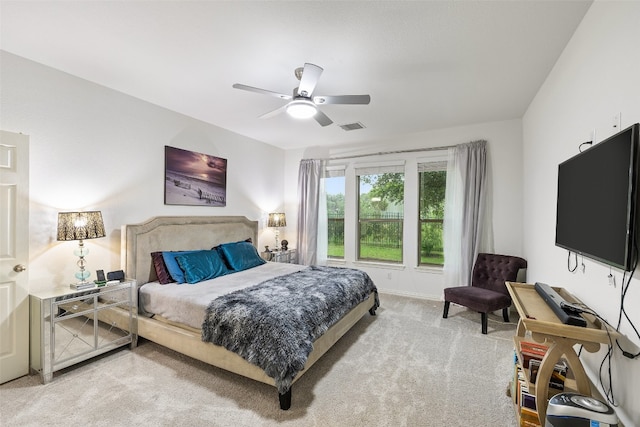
<point>381,236</point>
<point>335,229</point>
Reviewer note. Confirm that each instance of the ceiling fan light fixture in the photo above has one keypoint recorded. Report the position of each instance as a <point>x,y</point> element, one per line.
<point>301,109</point>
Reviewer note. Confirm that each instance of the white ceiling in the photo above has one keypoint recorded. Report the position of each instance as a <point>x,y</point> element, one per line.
<point>426,64</point>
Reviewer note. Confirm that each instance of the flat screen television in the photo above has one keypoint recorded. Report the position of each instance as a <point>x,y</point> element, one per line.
<point>597,205</point>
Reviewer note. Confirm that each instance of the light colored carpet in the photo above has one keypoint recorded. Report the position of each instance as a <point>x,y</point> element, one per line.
<point>407,366</point>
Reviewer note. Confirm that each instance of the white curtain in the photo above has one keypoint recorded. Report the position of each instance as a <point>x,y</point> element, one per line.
<point>323,222</point>
<point>464,210</point>
<point>311,207</point>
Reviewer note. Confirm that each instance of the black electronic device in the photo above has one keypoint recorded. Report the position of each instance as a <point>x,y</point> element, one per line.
<point>597,204</point>
<point>115,275</point>
<point>100,276</point>
<point>555,302</point>
<point>571,308</point>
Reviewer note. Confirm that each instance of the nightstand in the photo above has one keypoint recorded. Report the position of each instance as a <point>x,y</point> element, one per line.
<point>69,326</point>
<point>289,256</point>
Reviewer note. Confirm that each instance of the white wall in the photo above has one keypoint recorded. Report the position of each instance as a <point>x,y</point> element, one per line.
<point>597,76</point>
<point>505,196</point>
<point>95,148</point>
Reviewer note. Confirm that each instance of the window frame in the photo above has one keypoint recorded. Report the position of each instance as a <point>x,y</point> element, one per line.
<point>397,166</point>
<point>336,171</point>
<point>428,165</point>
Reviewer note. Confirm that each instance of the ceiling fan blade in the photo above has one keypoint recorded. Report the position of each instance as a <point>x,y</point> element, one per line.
<point>309,80</point>
<point>262,91</point>
<point>322,118</point>
<point>342,99</point>
<point>274,112</point>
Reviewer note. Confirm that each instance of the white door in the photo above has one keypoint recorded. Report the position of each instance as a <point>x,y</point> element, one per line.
<point>14,254</point>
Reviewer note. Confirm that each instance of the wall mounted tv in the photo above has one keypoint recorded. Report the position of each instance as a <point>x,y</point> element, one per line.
<point>597,206</point>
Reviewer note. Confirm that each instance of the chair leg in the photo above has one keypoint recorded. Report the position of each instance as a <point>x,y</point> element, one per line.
<point>445,313</point>
<point>505,314</point>
<point>484,322</point>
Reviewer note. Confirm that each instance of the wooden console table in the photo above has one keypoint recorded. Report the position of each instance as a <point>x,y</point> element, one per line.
<point>545,327</point>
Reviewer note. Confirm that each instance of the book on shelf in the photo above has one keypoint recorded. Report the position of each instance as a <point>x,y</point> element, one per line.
<point>533,347</point>
<point>528,401</point>
<point>529,418</point>
<point>558,375</point>
<point>531,351</point>
<point>518,385</point>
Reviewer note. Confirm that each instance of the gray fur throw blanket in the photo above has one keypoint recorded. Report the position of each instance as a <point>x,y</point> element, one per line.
<point>273,324</point>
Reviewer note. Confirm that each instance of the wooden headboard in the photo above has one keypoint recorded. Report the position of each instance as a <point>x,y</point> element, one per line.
<point>174,233</point>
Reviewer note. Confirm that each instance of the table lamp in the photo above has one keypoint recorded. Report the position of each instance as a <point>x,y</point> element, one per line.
<point>80,226</point>
<point>277,220</point>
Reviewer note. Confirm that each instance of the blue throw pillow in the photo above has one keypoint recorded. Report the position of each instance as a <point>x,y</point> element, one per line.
<point>219,249</point>
<point>172,265</point>
<point>241,255</point>
<point>202,265</point>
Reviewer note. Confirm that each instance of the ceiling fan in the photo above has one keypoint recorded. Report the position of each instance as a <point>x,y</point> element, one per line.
<point>303,104</point>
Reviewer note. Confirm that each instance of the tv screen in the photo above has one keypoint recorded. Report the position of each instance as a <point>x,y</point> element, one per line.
<point>596,206</point>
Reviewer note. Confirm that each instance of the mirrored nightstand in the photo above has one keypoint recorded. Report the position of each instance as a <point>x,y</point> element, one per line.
<point>289,256</point>
<point>69,326</point>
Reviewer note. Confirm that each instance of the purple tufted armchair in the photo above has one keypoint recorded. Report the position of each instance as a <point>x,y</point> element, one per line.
<point>488,291</point>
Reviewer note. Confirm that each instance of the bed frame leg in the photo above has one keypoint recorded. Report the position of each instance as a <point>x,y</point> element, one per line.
<point>372,311</point>
<point>285,400</point>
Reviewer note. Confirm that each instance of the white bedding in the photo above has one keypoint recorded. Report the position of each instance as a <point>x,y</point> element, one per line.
<point>186,303</point>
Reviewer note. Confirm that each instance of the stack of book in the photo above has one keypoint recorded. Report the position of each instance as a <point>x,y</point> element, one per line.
<point>525,374</point>
<point>532,355</point>
<point>557,377</point>
<point>531,351</point>
<point>524,399</point>
<point>79,286</point>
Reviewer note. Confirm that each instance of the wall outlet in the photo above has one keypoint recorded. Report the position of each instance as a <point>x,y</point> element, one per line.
<point>617,122</point>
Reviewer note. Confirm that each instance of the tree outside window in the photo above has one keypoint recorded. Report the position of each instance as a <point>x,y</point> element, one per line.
<point>380,216</point>
<point>432,186</point>
<point>334,188</point>
<point>381,213</point>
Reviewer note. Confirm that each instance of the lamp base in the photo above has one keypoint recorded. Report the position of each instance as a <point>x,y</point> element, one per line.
<point>83,274</point>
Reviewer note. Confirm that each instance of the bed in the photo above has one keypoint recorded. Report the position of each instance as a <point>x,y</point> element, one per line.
<point>180,233</point>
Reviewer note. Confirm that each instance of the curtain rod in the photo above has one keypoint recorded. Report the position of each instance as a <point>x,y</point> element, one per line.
<point>381,153</point>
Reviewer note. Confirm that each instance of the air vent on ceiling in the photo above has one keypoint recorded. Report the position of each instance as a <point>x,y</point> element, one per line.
<point>352,126</point>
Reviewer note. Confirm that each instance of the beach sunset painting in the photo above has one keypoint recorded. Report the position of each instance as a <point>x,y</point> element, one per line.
<point>194,179</point>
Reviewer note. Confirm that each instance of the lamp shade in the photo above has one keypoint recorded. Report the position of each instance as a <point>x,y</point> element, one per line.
<point>277,219</point>
<point>80,225</point>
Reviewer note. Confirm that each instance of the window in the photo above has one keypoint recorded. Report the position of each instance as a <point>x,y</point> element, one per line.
<point>380,213</point>
<point>432,185</point>
<point>334,185</point>
<point>374,203</point>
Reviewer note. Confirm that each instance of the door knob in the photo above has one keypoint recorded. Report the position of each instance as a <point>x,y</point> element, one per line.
<point>19,268</point>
